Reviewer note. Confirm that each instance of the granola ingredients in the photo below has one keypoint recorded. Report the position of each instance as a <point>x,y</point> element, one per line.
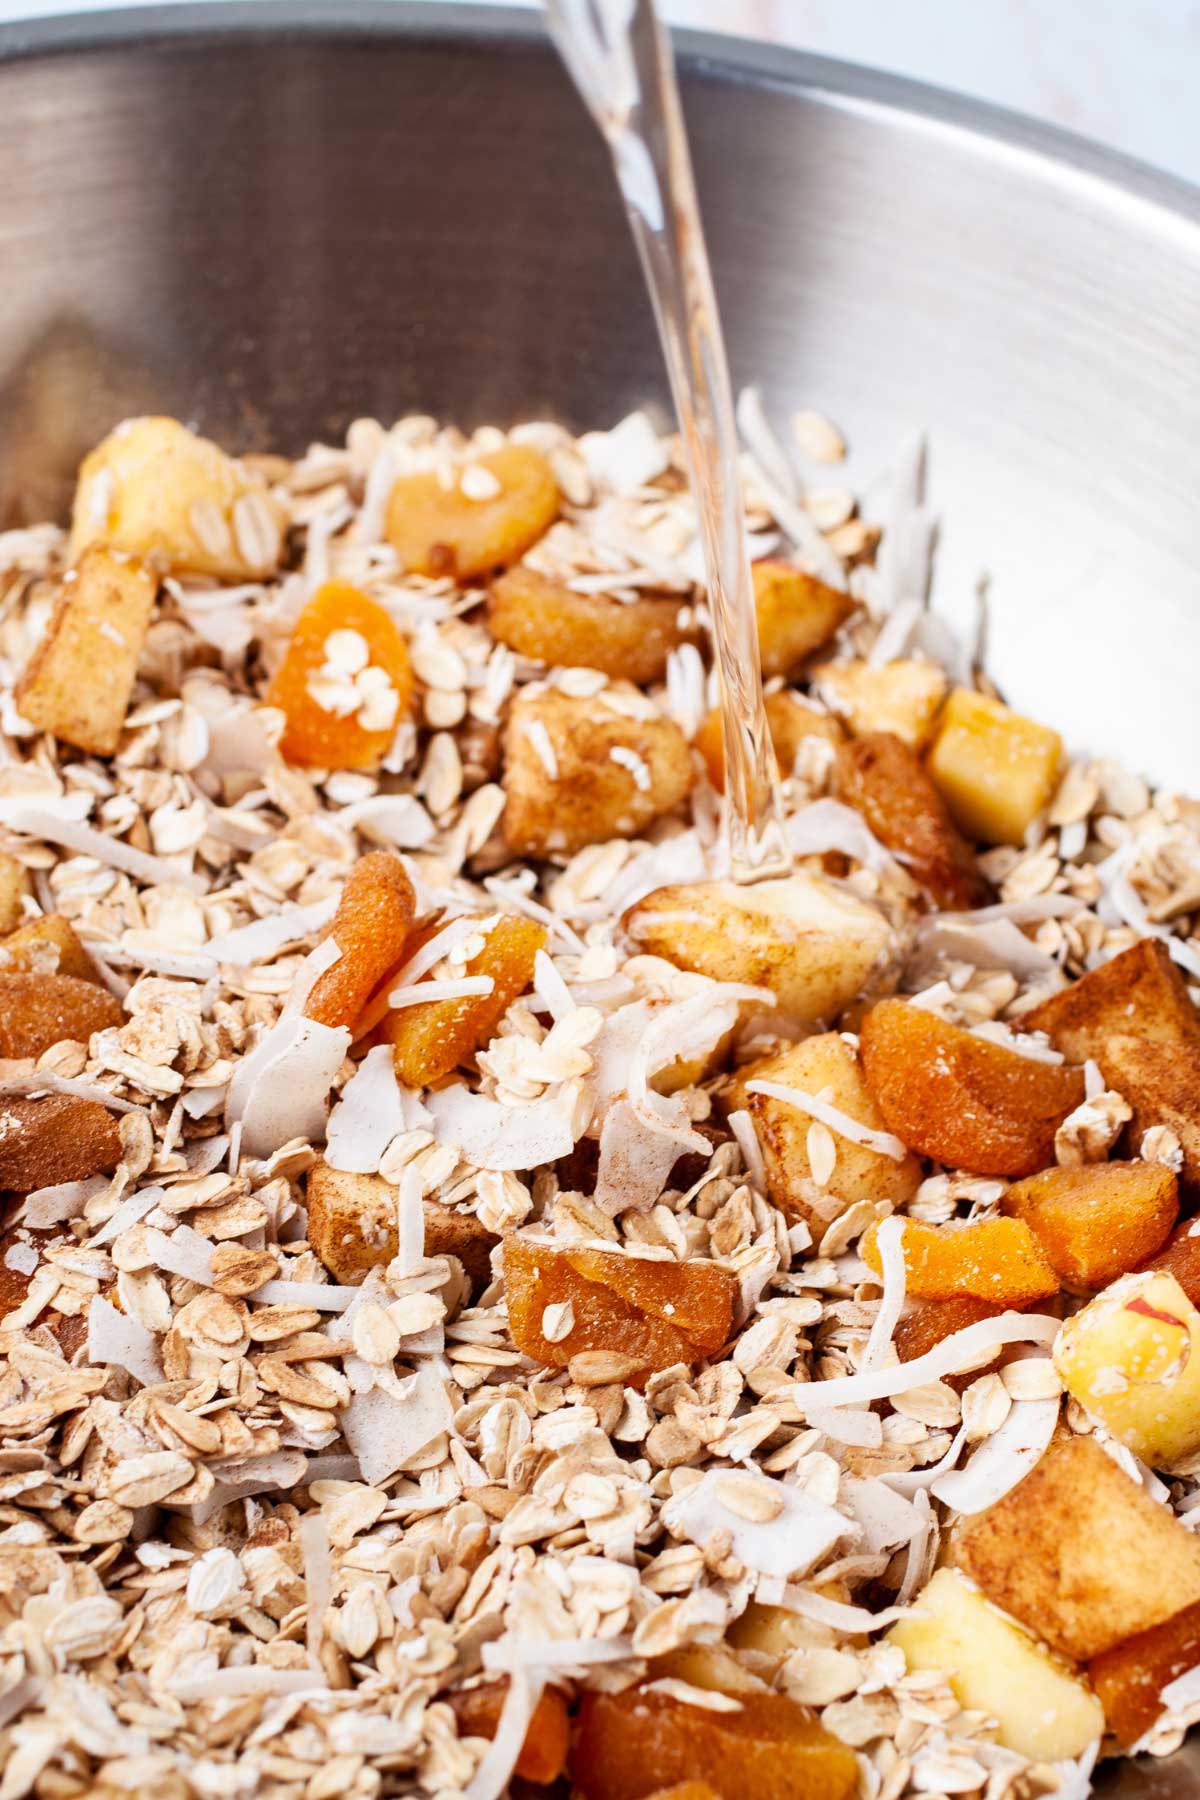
<point>545,619</point>
<point>790,720</point>
<point>1098,1221</point>
<point>352,1226</point>
<point>345,682</point>
<point>1130,1678</point>
<point>543,1757</point>
<point>55,1139</point>
<point>432,1037</point>
<point>47,946</point>
<point>39,1011</point>
<point>900,697</point>
<point>483,516</point>
<point>374,913</point>
<point>1131,1359</point>
<point>78,681</point>
<point>883,779</point>
<point>796,613</point>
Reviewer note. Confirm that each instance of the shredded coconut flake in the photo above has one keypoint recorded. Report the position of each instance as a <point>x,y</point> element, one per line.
<point>494,1136</point>
<point>280,1090</point>
<point>890,1243</point>
<point>775,1530</point>
<point>71,834</point>
<point>368,1116</point>
<point>1002,1460</point>
<point>955,1352</point>
<point>119,1340</point>
<point>883,1143</point>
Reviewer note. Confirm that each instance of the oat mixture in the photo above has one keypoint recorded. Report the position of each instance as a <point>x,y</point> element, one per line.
<point>463,1258</point>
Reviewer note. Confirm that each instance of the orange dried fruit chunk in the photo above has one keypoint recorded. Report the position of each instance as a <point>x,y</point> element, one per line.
<point>1099,1221</point>
<point>546,619</point>
<point>954,1096</point>
<point>430,1039</point>
<point>543,1755</point>
<point>796,613</point>
<point>927,1324</point>
<point>789,719</point>
<point>686,1790</point>
<point>345,682</point>
<point>880,777</point>
<point>47,946</point>
<point>1129,1680</point>
<point>497,509</point>
<point>376,908</point>
<point>1181,1258</point>
<point>60,1138</point>
<point>37,1011</point>
<point>997,1260</point>
<point>631,1744</point>
<point>651,1313</point>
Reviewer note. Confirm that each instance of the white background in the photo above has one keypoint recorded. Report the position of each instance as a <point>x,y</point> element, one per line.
<point>1123,71</point>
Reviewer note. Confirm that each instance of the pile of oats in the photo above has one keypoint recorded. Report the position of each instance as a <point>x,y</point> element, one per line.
<point>255,1524</point>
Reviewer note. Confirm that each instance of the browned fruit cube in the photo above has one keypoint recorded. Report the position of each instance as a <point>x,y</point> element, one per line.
<point>789,719</point>
<point>547,620</point>
<point>1162,1084</point>
<point>60,1138</point>
<point>77,683</point>
<point>997,770</point>
<point>543,1755</point>
<point>902,697</point>
<point>429,1040</point>
<point>1130,1678</point>
<point>1080,1554</point>
<point>14,885</point>
<point>796,613</point>
<point>37,1011</point>
<point>352,1227</point>
<point>648,1313</point>
<point>997,1260</point>
<point>498,508</point>
<point>954,1096</point>
<point>1181,1258</point>
<point>1099,1221</point>
<point>630,1744</point>
<point>370,926</point>
<point>1140,992</point>
<point>47,946</point>
<point>886,782</point>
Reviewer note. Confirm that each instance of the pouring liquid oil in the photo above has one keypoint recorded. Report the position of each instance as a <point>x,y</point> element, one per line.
<point>620,58</point>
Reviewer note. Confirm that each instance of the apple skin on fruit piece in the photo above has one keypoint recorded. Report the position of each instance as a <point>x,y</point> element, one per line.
<point>1131,1358</point>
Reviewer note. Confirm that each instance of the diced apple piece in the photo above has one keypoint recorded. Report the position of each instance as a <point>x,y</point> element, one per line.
<point>1132,1359</point>
<point>579,771</point>
<point>886,782</point>
<point>431,1039</point>
<point>954,1096</point>
<point>1043,1709</point>
<point>1181,1258</point>
<point>77,683</point>
<point>1096,1222</point>
<point>630,1744</point>
<point>47,946</point>
<point>1130,1678</point>
<point>709,1666</point>
<point>997,1260</point>
<point>774,1631</point>
<point>814,945</point>
<point>789,719</point>
<point>37,1011</point>
<point>496,510</point>
<point>996,770</point>
<point>1080,1554</point>
<point>796,613</point>
<point>14,885</point>
<point>155,490</point>
<point>59,1138</point>
<point>352,1227</point>
<point>648,1314</point>
<point>372,920</point>
<point>900,697</point>
<point>1139,993</point>
<point>543,1755</point>
<point>345,682</point>
<point>828,1066</point>
<point>1162,1085</point>
<point>547,620</point>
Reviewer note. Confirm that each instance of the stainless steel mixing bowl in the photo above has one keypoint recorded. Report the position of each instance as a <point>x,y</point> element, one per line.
<point>269,219</point>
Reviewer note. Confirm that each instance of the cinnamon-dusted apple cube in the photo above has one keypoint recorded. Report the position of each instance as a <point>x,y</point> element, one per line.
<point>543,1757</point>
<point>14,885</point>
<point>627,1745</point>
<point>38,1011</point>
<point>433,1037</point>
<point>47,946</point>
<point>156,490</point>
<point>1162,1085</point>
<point>1043,1709</point>
<point>345,682</point>
<point>374,913</point>
<point>825,1065</point>
<point>1139,993</point>
<point>1079,1554</point>
<point>811,943</point>
<point>352,1227</point>
<point>486,515</point>
<point>880,777</point>
<point>1096,1222</point>
<point>996,770</point>
<point>900,697</point>
<point>789,719</point>
<point>796,613</point>
<point>1181,1258</point>
<point>545,619</point>
<point>996,1260</point>
<point>77,683</point>
<point>578,771</point>
<point>967,1102</point>
<point>1129,1679</point>
<point>59,1138</point>
<point>1132,1360</point>
<point>571,1301</point>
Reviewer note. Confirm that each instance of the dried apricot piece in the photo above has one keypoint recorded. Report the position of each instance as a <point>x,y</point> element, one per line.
<point>345,682</point>
<point>14,885</point>
<point>47,946</point>
<point>547,620</point>
<point>1097,1222</point>
<point>789,719</point>
<point>60,1138</point>
<point>628,1745</point>
<point>997,1260</point>
<point>650,1313</point>
<point>37,1011</point>
<point>496,509</point>
<point>886,782</point>
<point>370,926</point>
<point>996,770</point>
<point>796,613</point>
<point>543,1755</point>
<point>431,1038</point>
<point>1129,1679</point>
<point>954,1096</point>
